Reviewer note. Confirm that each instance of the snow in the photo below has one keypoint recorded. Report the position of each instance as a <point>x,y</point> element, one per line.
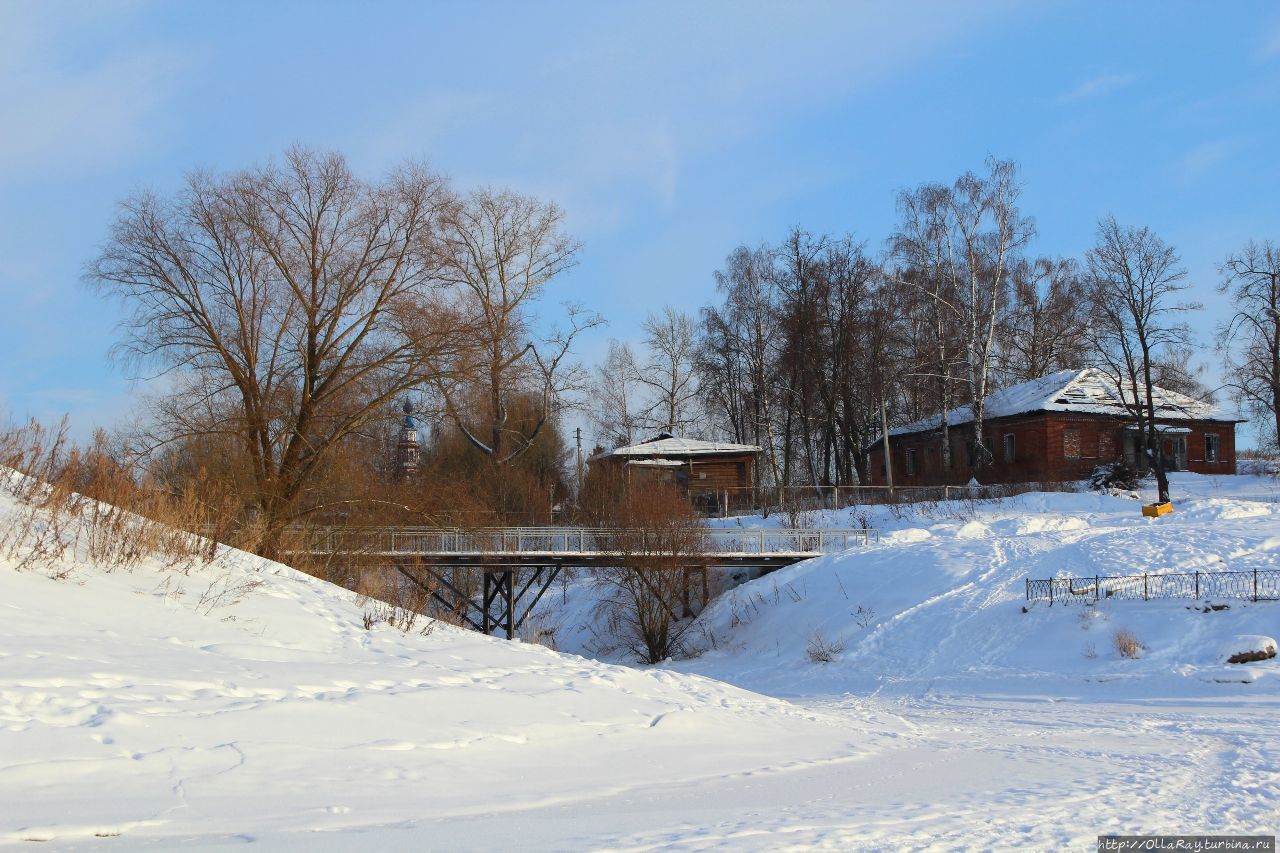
<point>140,705</point>
<point>1087,391</point>
<point>1246,643</point>
<point>668,445</point>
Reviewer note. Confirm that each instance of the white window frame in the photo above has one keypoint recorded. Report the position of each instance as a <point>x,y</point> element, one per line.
<point>1212,440</point>
<point>1010,447</point>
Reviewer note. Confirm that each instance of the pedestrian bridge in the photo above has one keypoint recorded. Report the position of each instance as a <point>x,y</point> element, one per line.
<point>518,564</point>
<point>588,547</point>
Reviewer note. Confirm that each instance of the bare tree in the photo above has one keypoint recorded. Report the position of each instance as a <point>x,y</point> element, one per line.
<point>965,238</point>
<point>669,373</point>
<point>740,350</point>
<point>501,250</point>
<point>1044,329</point>
<point>281,298</point>
<point>1134,278</point>
<point>616,402</point>
<point>651,596</point>
<point>1250,340</point>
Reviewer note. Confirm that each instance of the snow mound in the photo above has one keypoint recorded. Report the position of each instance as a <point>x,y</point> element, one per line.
<point>246,701</point>
<point>1247,646</point>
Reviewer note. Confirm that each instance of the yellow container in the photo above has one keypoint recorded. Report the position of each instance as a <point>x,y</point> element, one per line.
<point>1157,510</point>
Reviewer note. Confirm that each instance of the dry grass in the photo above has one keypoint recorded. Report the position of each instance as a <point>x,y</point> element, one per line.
<point>1127,645</point>
<point>82,503</point>
<point>398,599</point>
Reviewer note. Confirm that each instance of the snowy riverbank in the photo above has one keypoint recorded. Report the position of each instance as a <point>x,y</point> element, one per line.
<point>247,702</point>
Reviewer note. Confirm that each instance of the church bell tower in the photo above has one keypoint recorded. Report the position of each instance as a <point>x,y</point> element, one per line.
<point>409,446</point>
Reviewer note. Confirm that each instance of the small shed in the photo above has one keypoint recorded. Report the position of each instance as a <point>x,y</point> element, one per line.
<point>714,474</point>
<point>1056,428</point>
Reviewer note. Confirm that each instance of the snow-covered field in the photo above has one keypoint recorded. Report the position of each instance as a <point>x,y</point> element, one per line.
<point>245,702</point>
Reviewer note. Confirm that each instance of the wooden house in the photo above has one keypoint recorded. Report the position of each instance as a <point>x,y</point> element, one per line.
<point>713,474</point>
<point>1060,427</point>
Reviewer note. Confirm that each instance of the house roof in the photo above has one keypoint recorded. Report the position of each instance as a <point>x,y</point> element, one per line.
<point>666,445</point>
<point>1089,391</point>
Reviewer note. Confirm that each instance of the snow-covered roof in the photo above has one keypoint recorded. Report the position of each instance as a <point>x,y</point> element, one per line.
<point>667,445</point>
<point>656,463</point>
<point>1088,391</point>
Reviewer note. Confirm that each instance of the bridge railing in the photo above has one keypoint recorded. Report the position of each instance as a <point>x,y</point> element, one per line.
<point>577,540</point>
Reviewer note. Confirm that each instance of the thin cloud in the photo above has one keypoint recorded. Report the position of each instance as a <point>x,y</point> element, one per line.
<point>1204,158</point>
<point>1097,87</point>
<point>74,109</point>
<point>1271,47</point>
<point>622,105</point>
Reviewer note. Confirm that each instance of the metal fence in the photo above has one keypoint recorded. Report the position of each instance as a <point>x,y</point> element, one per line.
<point>1256,585</point>
<point>805,498</point>
<point>575,540</point>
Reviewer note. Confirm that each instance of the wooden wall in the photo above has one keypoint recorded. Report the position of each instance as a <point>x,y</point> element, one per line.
<point>717,473</point>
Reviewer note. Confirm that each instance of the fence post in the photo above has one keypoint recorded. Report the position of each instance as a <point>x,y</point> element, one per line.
<point>1096,597</point>
<point>1197,583</point>
<point>1027,581</point>
<point>1144,586</point>
<point>1050,592</point>
<point>1255,583</point>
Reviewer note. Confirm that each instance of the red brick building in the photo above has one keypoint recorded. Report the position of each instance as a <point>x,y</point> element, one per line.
<point>1059,427</point>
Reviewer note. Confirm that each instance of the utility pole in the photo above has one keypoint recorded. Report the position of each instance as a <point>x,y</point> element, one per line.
<point>578,436</point>
<point>888,459</point>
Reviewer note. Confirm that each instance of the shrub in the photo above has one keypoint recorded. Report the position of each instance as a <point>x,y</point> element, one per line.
<point>823,650</point>
<point>1127,645</point>
<point>1114,475</point>
<point>652,595</point>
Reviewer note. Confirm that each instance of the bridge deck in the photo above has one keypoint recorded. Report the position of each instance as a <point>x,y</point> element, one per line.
<point>583,547</point>
<point>519,564</point>
<point>586,559</point>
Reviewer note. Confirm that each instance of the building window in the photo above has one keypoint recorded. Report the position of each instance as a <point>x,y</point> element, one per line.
<point>1212,447</point>
<point>1071,443</point>
<point>911,462</point>
<point>1106,446</point>
<point>1010,447</point>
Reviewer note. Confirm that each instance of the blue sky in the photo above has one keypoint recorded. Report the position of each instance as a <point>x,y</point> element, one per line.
<point>670,133</point>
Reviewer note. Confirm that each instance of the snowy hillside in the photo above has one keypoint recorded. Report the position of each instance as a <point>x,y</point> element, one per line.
<point>938,605</point>
<point>247,702</point>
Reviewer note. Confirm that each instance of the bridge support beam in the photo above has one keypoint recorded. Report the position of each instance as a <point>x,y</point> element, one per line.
<point>507,595</point>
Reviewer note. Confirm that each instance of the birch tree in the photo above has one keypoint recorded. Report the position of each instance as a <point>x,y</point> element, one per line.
<point>670,371</point>
<point>1044,328</point>
<point>919,244</point>
<point>740,352</point>
<point>617,404</point>
<point>965,238</point>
